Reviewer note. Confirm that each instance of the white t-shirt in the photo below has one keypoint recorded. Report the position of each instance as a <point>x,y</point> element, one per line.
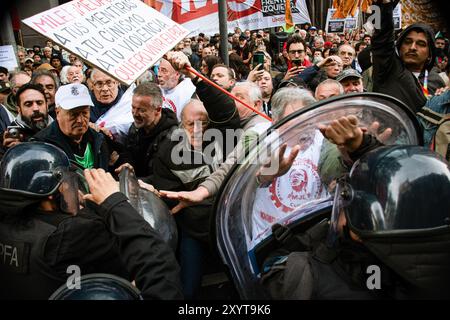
<point>300,185</point>
<point>176,98</point>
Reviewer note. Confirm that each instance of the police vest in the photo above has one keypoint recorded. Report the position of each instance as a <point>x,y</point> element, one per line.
<point>23,273</point>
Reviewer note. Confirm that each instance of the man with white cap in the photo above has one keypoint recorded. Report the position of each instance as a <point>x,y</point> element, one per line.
<point>84,146</point>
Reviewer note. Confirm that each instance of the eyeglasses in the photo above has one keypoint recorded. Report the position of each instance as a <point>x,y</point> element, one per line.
<point>99,85</point>
<point>296,51</point>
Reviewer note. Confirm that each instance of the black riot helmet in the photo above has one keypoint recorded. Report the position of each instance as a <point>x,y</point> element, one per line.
<point>397,201</point>
<point>98,286</point>
<point>35,170</point>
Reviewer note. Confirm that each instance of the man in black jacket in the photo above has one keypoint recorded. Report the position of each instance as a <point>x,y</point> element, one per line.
<point>32,116</point>
<point>402,69</point>
<point>44,233</point>
<point>83,145</point>
<point>152,124</point>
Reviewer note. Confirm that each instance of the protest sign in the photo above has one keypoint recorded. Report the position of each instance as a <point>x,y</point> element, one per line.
<point>121,37</point>
<point>8,57</point>
<point>334,25</point>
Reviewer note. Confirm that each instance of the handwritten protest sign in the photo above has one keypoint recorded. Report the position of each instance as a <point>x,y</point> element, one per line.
<point>121,37</point>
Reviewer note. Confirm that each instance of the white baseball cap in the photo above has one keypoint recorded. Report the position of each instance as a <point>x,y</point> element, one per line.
<point>71,96</point>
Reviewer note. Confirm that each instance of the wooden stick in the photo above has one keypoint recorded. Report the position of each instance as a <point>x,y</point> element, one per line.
<point>198,74</point>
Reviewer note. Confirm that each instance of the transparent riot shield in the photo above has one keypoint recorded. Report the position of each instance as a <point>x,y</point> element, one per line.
<point>149,206</point>
<point>246,209</point>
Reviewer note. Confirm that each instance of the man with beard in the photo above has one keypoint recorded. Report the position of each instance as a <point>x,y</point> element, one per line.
<point>83,145</point>
<point>402,68</point>
<point>75,75</point>
<point>177,90</point>
<point>32,116</point>
<point>50,84</point>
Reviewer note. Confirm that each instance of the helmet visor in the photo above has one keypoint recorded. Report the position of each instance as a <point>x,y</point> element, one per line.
<point>72,188</point>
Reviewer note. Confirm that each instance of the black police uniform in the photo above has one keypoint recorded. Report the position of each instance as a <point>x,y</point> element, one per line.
<point>395,199</point>
<point>35,256</point>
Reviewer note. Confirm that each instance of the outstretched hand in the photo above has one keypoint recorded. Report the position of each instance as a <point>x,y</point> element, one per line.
<point>185,198</point>
<point>278,164</point>
<point>374,130</point>
<point>101,185</point>
<point>148,187</point>
<point>344,132</point>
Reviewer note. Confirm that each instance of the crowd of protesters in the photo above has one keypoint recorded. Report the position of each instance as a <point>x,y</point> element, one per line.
<point>99,123</point>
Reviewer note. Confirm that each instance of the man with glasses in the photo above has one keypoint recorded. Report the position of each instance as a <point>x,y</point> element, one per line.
<point>84,146</point>
<point>112,105</point>
<point>297,62</point>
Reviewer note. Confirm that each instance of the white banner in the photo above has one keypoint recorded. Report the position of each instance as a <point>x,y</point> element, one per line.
<point>202,15</point>
<point>121,37</point>
<point>8,58</point>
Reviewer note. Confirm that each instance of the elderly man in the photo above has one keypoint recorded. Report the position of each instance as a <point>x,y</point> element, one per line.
<point>112,106</point>
<point>252,124</point>
<point>84,146</point>
<point>351,80</point>
<point>176,89</point>
<point>32,117</point>
<point>347,53</point>
<point>50,84</point>
<point>328,88</point>
<point>75,74</point>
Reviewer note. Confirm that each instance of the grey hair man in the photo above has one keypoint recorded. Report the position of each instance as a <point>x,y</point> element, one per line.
<point>252,124</point>
<point>328,88</point>
<point>288,100</point>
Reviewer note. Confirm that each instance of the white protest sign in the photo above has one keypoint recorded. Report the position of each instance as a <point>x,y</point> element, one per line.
<point>397,15</point>
<point>8,57</point>
<point>121,37</point>
<point>338,25</point>
<point>333,25</point>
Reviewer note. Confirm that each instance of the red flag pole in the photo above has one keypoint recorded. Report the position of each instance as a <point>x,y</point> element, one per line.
<point>198,74</point>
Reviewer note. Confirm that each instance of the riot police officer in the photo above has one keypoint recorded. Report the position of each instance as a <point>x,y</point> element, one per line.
<point>51,225</point>
<point>388,236</point>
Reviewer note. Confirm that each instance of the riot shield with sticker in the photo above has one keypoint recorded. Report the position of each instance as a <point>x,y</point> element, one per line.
<point>150,207</point>
<point>246,209</point>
